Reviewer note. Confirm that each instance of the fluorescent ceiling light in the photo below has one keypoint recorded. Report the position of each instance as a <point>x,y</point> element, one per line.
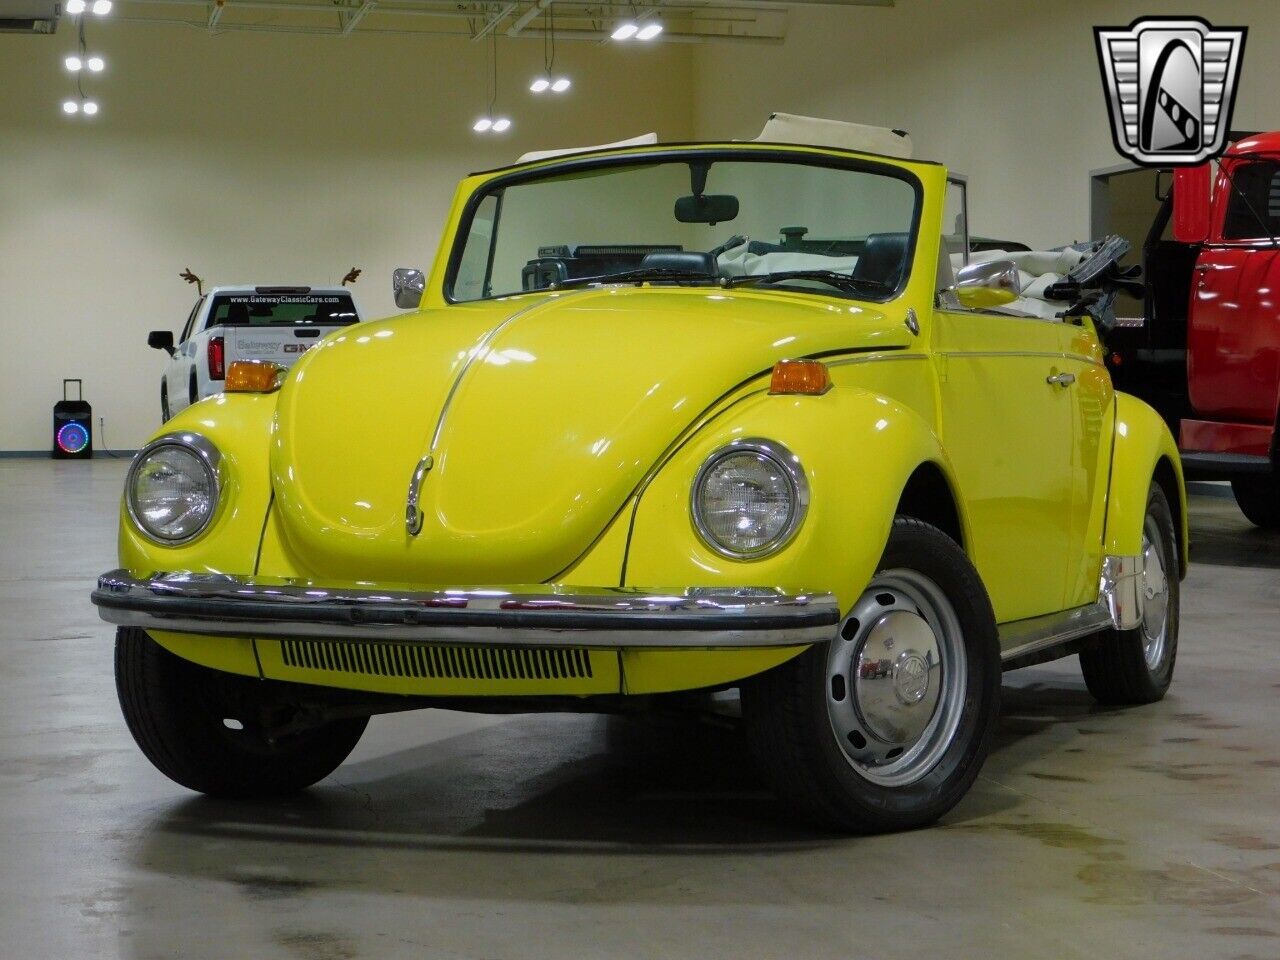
<point>649,31</point>
<point>625,31</point>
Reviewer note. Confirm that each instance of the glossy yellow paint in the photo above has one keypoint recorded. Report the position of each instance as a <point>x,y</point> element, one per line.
<point>565,430</point>
<point>240,426</point>
<point>1142,441</point>
<point>228,654</point>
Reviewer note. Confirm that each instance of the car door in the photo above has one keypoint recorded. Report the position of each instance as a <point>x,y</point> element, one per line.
<point>1006,418</point>
<point>178,371</point>
<point>1092,399</point>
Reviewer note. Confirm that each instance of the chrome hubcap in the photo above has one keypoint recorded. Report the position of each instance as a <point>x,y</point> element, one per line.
<point>1155,588</point>
<point>896,676</point>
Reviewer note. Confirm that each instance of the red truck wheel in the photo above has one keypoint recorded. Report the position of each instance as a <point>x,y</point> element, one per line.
<point>1259,499</point>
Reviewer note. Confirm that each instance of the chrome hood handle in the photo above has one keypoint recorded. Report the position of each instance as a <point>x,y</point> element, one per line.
<point>412,513</point>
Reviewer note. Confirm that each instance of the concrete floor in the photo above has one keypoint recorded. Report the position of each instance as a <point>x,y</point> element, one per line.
<point>1092,833</point>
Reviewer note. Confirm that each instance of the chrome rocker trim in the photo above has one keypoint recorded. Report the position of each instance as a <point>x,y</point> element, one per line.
<point>604,617</point>
<point>1120,606</point>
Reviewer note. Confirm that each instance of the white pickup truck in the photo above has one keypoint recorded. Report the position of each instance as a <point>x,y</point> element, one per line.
<point>245,323</point>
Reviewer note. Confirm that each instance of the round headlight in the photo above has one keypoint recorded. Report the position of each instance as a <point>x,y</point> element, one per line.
<point>172,489</point>
<point>749,498</point>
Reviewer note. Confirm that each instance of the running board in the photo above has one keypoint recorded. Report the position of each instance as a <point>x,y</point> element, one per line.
<point>1023,642</point>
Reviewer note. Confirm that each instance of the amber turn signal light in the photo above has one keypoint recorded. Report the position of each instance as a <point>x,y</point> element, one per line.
<point>253,376</point>
<point>800,376</point>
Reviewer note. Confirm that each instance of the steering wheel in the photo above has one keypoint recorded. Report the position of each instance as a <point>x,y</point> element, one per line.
<point>736,240</point>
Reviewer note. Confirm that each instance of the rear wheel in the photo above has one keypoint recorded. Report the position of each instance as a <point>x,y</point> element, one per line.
<point>886,727</point>
<point>214,732</point>
<point>1258,496</point>
<point>1136,666</point>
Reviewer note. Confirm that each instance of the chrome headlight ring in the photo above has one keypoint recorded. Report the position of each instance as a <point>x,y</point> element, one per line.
<point>210,461</point>
<point>789,465</point>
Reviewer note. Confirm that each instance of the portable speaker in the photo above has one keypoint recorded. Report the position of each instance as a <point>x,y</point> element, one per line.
<point>72,426</point>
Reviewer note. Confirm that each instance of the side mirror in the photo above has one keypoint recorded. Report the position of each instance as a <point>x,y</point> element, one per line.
<point>1191,199</point>
<point>407,284</point>
<point>161,340</point>
<point>980,286</point>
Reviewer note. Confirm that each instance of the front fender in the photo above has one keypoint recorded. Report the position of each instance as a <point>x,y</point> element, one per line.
<point>1144,452</point>
<point>857,449</point>
<point>239,425</point>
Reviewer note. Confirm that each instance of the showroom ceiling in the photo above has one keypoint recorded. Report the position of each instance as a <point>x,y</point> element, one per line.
<point>743,21</point>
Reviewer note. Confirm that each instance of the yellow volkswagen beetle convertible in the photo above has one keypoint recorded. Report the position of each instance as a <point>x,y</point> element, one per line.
<point>662,419</point>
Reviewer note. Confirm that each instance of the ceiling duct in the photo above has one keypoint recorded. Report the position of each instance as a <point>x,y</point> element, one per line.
<point>29,16</point>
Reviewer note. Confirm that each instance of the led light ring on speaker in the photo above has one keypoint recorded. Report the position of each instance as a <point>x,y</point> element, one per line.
<point>72,437</point>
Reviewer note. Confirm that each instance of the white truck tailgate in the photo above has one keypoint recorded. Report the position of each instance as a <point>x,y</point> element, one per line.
<point>279,324</point>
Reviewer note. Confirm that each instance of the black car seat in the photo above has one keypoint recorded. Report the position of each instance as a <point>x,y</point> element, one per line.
<point>883,259</point>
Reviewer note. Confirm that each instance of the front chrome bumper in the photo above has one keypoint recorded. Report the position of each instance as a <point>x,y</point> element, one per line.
<point>605,617</point>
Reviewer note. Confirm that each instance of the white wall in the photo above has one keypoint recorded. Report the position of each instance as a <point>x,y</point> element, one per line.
<point>250,157</point>
<point>1005,91</point>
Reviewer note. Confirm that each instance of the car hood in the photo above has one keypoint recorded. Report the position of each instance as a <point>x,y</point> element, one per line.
<point>541,414</point>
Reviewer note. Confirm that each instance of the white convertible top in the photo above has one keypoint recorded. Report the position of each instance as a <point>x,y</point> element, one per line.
<point>817,132</point>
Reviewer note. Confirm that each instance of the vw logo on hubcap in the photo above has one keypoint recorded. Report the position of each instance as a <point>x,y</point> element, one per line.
<point>910,678</point>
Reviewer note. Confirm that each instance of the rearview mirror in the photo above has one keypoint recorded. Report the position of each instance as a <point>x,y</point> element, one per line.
<point>161,340</point>
<point>707,208</point>
<point>980,286</point>
<point>407,284</point>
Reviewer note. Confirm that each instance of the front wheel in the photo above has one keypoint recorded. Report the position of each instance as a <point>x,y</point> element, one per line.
<point>1258,497</point>
<point>885,727</point>
<point>214,732</point>
<point>1136,666</point>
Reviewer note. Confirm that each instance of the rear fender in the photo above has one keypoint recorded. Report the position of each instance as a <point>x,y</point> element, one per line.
<point>1144,452</point>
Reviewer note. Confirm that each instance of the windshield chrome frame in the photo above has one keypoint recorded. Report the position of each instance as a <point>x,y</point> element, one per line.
<point>765,154</point>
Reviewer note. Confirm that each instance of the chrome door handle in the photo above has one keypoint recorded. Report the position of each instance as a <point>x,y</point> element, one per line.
<point>1060,379</point>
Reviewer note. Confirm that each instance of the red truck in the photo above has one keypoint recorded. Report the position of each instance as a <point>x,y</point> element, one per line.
<point>1207,354</point>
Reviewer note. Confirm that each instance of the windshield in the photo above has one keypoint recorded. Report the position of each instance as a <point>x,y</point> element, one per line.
<point>269,310</point>
<point>699,219</point>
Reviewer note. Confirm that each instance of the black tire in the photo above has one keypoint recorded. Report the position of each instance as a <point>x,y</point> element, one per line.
<point>1258,497</point>
<point>793,737</point>
<point>175,710</point>
<point>164,403</point>
<point>194,389</point>
<point>1115,665</point>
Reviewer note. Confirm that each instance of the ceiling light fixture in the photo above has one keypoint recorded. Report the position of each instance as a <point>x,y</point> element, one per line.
<point>501,125</point>
<point>489,123</point>
<point>101,7</point>
<point>649,31</point>
<point>625,31</point>
<point>90,107</point>
<point>540,84</point>
<point>73,63</point>
<point>74,7</point>
<point>482,125</point>
<point>70,106</point>
<point>95,64</point>
<point>547,80</point>
<point>560,85</point>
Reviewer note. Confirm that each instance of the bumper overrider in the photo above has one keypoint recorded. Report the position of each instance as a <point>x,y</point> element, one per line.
<point>603,617</point>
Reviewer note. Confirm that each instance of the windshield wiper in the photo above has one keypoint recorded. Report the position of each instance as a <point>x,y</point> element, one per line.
<point>638,275</point>
<point>841,281</point>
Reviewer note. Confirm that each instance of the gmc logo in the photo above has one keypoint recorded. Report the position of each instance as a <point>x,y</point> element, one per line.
<point>297,347</point>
